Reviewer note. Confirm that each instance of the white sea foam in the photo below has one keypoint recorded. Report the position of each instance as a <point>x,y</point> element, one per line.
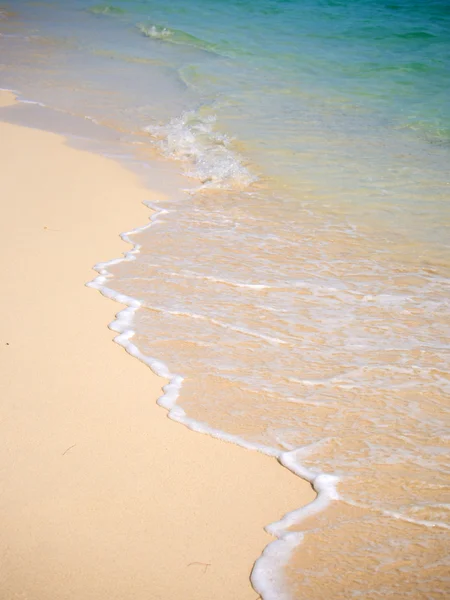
<point>266,577</point>
<point>267,338</point>
<point>154,31</point>
<point>205,152</point>
<point>267,574</point>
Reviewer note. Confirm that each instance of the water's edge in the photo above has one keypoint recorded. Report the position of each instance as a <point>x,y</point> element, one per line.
<point>266,575</point>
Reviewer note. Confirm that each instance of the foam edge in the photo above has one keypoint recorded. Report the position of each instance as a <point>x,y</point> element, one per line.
<point>267,573</point>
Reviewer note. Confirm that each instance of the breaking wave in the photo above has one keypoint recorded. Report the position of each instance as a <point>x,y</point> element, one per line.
<point>176,36</point>
<point>206,153</point>
<point>106,9</point>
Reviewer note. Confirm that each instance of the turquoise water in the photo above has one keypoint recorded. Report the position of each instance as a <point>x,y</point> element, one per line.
<point>390,59</point>
<point>300,285</point>
<point>372,79</point>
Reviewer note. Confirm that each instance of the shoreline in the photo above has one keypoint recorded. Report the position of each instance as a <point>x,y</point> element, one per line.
<point>91,505</point>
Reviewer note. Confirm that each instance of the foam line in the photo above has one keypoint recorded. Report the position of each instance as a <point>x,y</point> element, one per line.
<point>20,99</point>
<point>399,516</point>
<point>266,576</point>
<point>243,330</point>
<point>15,92</point>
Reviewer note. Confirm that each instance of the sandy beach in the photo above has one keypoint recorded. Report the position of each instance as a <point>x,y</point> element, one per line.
<point>102,496</point>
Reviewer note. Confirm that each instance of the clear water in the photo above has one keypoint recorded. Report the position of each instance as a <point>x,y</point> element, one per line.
<point>301,285</point>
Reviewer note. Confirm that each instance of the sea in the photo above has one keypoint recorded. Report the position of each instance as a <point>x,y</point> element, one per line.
<point>292,285</point>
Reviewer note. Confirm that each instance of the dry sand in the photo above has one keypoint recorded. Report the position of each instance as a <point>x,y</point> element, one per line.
<point>102,496</point>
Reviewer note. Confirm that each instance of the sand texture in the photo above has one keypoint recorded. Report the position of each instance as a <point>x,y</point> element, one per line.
<point>102,496</point>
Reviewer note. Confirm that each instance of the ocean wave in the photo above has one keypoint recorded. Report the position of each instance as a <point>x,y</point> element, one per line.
<point>206,153</point>
<point>176,36</point>
<point>106,9</point>
<point>154,31</point>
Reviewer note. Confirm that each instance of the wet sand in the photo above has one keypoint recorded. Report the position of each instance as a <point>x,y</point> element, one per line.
<point>102,496</point>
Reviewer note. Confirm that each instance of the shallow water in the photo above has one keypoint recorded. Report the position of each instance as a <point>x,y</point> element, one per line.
<point>300,286</point>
